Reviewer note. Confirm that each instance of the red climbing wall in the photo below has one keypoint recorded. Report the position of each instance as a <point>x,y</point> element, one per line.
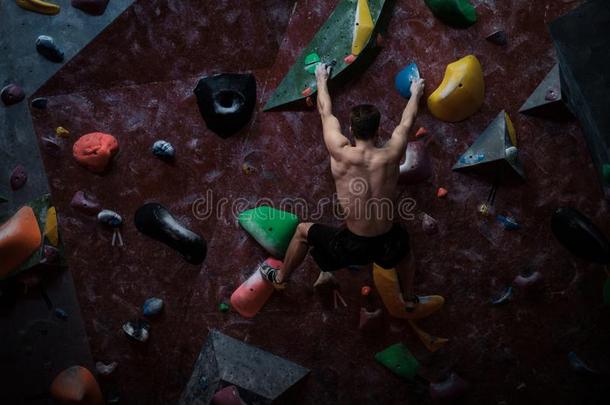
<point>135,81</point>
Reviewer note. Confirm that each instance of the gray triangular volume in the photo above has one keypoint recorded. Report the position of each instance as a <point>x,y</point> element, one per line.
<point>224,359</point>
<point>491,149</point>
<point>547,100</point>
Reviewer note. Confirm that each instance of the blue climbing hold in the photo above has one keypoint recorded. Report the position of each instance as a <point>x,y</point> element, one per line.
<point>471,159</point>
<point>509,223</point>
<point>404,78</point>
<point>152,306</point>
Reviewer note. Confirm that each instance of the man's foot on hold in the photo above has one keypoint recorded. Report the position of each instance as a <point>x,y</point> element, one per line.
<point>411,303</point>
<point>270,274</point>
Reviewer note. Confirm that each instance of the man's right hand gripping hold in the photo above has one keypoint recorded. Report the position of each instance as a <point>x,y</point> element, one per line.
<point>366,178</point>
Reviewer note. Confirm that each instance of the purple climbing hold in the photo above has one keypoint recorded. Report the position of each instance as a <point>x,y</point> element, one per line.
<point>11,94</point>
<point>18,177</point>
<point>429,224</point>
<point>451,389</point>
<point>93,7</point>
<point>85,203</point>
<point>528,280</point>
<point>50,255</point>
<point>370,322</point>
<point>417,166</point>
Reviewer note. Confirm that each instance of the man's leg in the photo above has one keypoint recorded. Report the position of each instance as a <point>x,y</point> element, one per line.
<point>406,273</point>
<point>297,250</point>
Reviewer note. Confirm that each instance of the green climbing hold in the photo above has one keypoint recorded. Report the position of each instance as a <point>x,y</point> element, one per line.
<point>333,42</point>
<point>223,307</point>
<point>270,227</point>
<point>399,360</point>
<point>607,292</point>
<point>311,61</point>
<point>455,13</point>
<point>606,172</point>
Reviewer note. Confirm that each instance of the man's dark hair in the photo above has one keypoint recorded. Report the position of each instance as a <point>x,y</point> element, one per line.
<point>364,120</point>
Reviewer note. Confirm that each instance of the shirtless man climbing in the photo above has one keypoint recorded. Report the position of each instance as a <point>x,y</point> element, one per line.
<point>364,175</point>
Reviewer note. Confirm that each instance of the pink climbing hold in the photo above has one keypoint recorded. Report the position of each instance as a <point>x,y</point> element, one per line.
<point>227,396</point>
<point>421,132</point>
<point>252,295</point>
<point>18,177</point>
<point>441,192</point>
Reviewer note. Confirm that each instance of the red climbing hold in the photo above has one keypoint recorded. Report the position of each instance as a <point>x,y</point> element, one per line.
<point>349,59</point>
<point>421,132</point>
<point>365,291</point>
<point>307,92</point>
<point>95,150</point>
<point>441,192</point>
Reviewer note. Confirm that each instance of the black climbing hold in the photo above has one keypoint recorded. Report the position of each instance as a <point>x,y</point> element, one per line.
<point>226,101</point>
<point>92,7</point>
<point>498,38</point>
<point>580,236</point>
<point>45,45</point>
<point>110,218</point>
<point>156,221</point>
<point>40,103</point>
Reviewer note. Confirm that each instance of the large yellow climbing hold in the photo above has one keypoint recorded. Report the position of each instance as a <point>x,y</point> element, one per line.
<point>50,227</point>
<point>39,6</point>
<point>363,27</point>
<point>461,92</point>
<point>386,282</point>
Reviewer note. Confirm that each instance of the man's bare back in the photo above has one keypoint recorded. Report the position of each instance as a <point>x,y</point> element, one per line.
<point>366,180</point>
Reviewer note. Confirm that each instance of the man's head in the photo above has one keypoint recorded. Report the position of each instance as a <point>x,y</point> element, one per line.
<point>364,121</point>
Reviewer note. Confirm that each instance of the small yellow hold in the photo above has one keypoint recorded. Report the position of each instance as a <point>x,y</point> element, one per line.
<point>461,92</point>
<point>50,227</point>
<point>62,132</point>
<point>363,27</point>
<point>512,134</point>
<point>39,6</point>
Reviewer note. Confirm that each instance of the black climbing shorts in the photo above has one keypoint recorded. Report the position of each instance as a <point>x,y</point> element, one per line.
<point>336,248</point>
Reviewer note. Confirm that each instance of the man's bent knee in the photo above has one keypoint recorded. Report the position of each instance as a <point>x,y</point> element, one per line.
<point>303,230</point>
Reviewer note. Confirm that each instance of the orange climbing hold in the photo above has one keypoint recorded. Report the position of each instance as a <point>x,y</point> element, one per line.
<point>20,237</point>
<point>95,150</point>
<point>421,132</point>
<point>441,192</point>
<point>76,385</point>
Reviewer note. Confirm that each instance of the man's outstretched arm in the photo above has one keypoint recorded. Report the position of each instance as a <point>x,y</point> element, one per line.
<point>398,141</point>
<point>333,138</point>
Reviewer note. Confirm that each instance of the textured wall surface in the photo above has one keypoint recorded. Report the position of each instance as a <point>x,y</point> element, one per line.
<point>135,82</point>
